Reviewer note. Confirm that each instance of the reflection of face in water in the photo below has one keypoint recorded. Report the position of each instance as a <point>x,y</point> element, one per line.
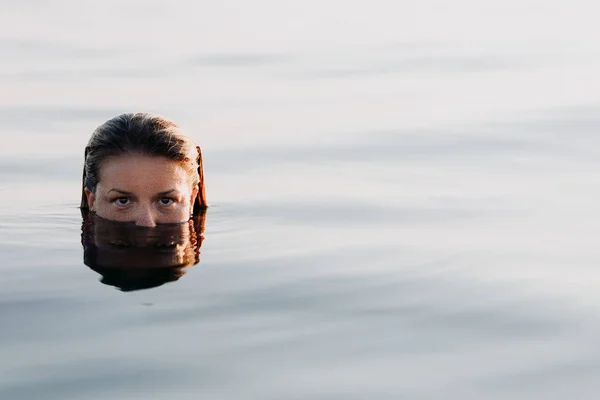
<point>132,257</point>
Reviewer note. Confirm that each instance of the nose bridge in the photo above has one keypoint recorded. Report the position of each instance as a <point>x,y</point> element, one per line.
<point>145,216</point>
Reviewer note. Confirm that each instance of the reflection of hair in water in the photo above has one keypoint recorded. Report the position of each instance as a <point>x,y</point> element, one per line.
<point>131,257</point>
<point>128,280</point>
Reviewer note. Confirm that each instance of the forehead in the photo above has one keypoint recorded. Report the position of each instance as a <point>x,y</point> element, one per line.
<point>131,171</point>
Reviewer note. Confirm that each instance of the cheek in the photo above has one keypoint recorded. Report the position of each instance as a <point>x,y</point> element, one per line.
<point>108,211</point>
<point>178,213</point>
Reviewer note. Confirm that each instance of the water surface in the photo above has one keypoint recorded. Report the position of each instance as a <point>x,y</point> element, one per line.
<point>403,200</point>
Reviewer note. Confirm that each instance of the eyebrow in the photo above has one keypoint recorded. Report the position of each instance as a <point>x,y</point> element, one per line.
<point>120,191</point>
<point>126,193</point>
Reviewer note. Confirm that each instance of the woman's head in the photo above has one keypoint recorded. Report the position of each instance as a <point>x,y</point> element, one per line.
<point>142,168</point>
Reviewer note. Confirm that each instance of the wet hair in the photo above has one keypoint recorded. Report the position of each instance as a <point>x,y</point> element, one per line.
<point>147,134</point>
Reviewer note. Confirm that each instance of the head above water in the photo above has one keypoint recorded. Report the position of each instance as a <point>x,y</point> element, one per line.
<point>142,168</point>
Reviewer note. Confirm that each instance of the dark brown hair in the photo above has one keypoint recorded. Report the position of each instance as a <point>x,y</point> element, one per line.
<point>142,133</point>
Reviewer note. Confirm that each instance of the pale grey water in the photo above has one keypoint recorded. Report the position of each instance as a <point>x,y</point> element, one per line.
<point>404,199</point>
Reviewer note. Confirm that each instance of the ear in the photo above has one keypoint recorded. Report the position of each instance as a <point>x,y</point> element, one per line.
<point>91,198</point>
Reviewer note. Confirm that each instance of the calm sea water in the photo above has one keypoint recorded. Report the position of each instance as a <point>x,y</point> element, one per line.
<point>404,200</point>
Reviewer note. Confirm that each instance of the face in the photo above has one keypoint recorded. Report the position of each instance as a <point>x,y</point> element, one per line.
<point>147,190</point>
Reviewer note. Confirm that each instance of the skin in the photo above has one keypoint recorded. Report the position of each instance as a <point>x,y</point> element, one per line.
<point>147,190</point>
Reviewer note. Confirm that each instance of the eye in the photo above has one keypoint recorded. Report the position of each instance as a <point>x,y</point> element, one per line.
<point>121,201</point>
<point>166,201</point>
